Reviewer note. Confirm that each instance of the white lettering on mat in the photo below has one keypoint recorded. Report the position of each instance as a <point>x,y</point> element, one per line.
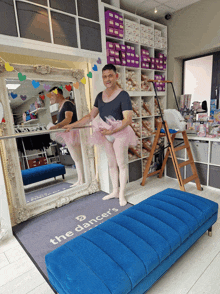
<point>94,222</point>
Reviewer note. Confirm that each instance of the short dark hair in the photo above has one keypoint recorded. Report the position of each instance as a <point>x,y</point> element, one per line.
<point>109,66</point>
<point>60,91</point>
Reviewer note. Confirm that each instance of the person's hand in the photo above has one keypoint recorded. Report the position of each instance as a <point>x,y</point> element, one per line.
<point>53,128</point>
<point>67,127</point>
<point>106,132</point>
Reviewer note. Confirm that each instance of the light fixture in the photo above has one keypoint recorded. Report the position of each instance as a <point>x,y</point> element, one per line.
<point>12,86</point>
<point>155,10</point>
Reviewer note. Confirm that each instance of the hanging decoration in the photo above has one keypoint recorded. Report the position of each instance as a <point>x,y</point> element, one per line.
<point>8,67</point>
<point>95,68</point>
<point>35,84</point>
<point>47,87</point>
<point>83,80</point>
<point>48,95</point>
<point>89,75</point>
<point>23,97</point>
<point>68,87</point>
<point>76,85</point>
<point>99,61</point>
<point>14,95</point>
<point>77,75</point>
<point>21,77</point>
<point>42,97</point>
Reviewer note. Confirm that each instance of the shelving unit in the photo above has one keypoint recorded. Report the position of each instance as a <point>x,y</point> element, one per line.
<point>138,96</point>
<point>38,110</point>
<point>30,121</point>
<point>206,156</point>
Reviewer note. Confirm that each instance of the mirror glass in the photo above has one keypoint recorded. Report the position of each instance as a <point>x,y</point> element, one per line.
<point>50,163</point>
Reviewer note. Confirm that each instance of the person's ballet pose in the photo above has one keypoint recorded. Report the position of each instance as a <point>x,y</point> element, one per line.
<point>67,114</point>
<point>112,129</point>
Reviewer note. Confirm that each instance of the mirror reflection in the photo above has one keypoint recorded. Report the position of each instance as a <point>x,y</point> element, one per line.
<point>50,163</point>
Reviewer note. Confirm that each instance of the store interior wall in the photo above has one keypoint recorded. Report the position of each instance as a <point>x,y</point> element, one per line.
<point>192,31</point>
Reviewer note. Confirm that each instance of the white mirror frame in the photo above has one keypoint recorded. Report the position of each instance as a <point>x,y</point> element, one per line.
<point>20,210</point>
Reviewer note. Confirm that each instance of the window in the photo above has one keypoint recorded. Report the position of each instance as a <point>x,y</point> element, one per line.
<point>198,78</point>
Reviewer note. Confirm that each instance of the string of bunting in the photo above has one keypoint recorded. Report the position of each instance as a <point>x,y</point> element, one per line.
<point>36,84</point>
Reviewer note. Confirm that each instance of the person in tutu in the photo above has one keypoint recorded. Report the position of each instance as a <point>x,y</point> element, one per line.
<point>67,114</point>
<point>112,129</point>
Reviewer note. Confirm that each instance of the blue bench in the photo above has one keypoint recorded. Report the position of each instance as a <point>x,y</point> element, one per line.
<point>131,251</point>
<point>42,172</point>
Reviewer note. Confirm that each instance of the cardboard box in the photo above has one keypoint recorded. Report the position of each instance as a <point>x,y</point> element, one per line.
<point>136,63</point>
<point>110,59</point>
<point>117,61</point>
<point>143,64</point>
<point>123,62</point>
<point>109,15</point>
<point>122,55</point>
<point>117,47</point>
<point>110,23</point>
<point>117,54</point>
<point>110,45</point>
<point>123,48</point>
<point>116,24</point>
<point>136,57</point>
<point>110,31</point>
<point>121,34</point>
<point>110,52</point>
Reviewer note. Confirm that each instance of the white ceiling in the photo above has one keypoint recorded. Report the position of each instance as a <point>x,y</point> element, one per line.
<point>145,8</point>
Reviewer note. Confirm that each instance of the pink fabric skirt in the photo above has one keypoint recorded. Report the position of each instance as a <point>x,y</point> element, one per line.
<point>72,137</point>
<point>111,124</point>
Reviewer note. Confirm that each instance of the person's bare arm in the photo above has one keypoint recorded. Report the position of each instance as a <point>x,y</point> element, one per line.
<point>65,121</point>
<point>127,114</point>
<point>83,121</point>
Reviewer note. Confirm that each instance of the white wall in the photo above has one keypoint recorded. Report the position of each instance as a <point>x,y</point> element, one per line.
<point>192,31</point>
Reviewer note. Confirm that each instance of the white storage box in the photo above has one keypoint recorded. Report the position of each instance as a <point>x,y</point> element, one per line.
<point>215,153</point>
<point>199,151</point>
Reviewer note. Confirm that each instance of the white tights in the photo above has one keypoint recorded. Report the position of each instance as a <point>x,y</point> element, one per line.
<point>117,154</point>
<point>76,154</point>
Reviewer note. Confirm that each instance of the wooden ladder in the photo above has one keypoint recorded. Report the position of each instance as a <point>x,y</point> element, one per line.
<point>172,151</point>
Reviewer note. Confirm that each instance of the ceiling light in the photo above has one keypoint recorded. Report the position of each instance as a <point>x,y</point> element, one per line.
<point>155,10</point>
<point>12,86</point>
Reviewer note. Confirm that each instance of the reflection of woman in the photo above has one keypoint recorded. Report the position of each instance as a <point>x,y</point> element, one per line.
<point>112,129</point>
<point>67,114</point>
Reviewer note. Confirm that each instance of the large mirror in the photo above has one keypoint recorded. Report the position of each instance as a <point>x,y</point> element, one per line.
<point>44,169</point>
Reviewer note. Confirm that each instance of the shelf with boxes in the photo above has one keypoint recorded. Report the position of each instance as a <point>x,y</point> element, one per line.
<point>138,49</point>
<point>134,41</point>
<point>205,152</point>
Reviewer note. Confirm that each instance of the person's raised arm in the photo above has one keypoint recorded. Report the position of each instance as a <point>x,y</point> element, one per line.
<point>85,120</point>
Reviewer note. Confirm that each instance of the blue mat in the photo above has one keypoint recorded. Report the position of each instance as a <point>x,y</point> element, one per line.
<point>47,191</point>
<point>43,234</point>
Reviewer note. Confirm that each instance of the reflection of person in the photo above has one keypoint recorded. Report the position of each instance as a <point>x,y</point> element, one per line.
<point>112,129</point>
<point>67,114</point>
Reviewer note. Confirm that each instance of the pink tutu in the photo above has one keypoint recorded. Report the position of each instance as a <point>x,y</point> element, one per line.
<point>127,133</point>
<point>72,137</point>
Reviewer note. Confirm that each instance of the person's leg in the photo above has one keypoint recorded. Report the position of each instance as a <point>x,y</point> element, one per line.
<point>113,170</point>
<point>121,151</point>
<point>76,154</point>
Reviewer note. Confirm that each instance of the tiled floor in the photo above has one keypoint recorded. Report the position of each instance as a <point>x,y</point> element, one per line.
<point>196,272</point>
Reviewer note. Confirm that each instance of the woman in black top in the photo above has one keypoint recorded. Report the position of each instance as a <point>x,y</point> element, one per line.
<point>67,115</point>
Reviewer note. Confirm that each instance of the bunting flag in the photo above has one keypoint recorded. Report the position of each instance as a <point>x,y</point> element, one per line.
<point>36,84</point>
